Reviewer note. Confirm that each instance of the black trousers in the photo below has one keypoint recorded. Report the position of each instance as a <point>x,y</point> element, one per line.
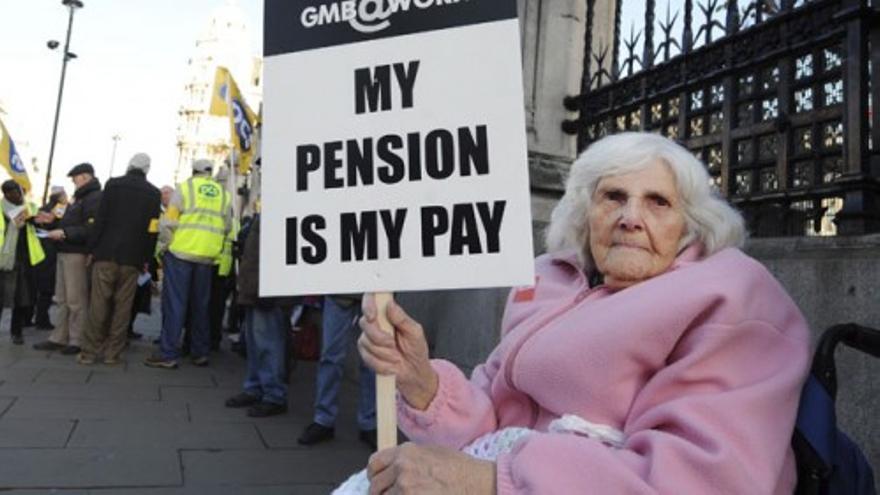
<point>221,287</point>
<point>44,300</point>
<point>19,316</point>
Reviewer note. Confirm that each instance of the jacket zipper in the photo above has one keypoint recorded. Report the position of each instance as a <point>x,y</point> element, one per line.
<point>514,353</point>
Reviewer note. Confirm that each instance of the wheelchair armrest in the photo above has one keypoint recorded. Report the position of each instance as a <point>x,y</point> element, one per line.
<point>858,337</point>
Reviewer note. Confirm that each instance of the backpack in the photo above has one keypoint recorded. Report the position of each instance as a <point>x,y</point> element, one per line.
<point>828,461</point>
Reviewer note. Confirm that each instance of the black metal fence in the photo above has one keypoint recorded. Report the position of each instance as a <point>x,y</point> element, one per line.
<point>775,97</point>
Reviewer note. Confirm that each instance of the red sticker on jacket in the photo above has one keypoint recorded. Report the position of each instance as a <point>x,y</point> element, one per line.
<point>526,294</point>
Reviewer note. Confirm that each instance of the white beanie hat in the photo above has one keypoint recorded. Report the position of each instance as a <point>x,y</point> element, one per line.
<point>202,166</point>
<point>140,161</point>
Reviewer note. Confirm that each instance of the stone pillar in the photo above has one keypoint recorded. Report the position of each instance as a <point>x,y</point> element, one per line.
<point>553,62</point>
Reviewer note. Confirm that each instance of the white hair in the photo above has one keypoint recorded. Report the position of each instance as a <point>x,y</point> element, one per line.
<point>710,219</point>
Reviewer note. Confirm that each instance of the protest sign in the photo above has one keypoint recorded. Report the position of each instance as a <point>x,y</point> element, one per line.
<point>394,153</point>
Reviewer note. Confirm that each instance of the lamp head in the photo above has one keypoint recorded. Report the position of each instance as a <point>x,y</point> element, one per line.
<point>76,4</point>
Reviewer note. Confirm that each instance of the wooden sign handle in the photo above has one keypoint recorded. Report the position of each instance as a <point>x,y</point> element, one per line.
<point>386,385</point>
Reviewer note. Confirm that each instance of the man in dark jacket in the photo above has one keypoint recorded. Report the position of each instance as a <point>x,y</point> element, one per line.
<point>124,240</point>
<point>72,234</point>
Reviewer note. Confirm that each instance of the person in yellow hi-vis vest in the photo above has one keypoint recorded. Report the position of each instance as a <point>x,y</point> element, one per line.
<point>20,250</point>
<point>222,283</point>
<point>197,222</point>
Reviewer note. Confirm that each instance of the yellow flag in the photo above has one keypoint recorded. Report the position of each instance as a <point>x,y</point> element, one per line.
<point>11,161</point>
<point>242,120</point>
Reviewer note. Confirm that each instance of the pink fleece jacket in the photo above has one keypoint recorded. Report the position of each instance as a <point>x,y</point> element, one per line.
<point>700,368</point>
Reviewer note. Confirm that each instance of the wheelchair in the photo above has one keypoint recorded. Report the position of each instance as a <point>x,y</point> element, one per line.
<point>828,461</point>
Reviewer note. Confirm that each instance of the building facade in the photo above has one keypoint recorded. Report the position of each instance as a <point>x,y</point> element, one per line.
<point>224,42</point>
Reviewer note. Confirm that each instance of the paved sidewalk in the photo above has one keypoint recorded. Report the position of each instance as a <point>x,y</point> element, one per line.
<point>129,429</point>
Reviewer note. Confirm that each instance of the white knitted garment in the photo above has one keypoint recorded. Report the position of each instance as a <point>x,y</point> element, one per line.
<point>489,446</point>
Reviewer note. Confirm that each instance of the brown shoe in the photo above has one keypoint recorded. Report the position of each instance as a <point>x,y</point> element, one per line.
<point>157,361</point>
<point>82,358</point>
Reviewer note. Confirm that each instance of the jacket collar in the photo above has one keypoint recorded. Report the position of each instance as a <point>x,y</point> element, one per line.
<point>92,186</point>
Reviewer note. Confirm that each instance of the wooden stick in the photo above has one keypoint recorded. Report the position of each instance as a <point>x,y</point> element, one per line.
<point>386,385</point>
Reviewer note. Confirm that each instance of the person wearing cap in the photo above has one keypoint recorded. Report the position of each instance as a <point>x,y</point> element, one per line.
<point>71,235</point>
<point>195,227</point>
<point>20,251</point>
<point>124,239</point>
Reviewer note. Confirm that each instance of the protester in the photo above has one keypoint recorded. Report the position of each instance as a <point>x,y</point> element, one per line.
<point>222,284</point>
<point>161,247</point>
<point>72,236</point>
<point>339,329</point>
<point>195,226</point>
<point>650,356</point>
<point>265,328</point>
<point>124,241</point>
<point>20,252</point>
<point>46,272</point>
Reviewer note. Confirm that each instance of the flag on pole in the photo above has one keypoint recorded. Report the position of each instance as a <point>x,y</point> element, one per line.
<point>242,120</point>
<point>11,161</point>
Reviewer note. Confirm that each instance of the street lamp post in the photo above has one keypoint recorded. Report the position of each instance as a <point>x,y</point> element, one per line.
<point>115,138</point>
<point>72,5</point>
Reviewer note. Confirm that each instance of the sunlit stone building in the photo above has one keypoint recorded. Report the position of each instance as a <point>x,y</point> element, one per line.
<point>225,41</point>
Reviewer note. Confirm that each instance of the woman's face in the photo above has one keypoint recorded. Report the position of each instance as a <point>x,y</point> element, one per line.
<point>636,224</point>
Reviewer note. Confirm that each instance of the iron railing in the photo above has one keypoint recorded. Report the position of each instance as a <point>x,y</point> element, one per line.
<point>775,98</point>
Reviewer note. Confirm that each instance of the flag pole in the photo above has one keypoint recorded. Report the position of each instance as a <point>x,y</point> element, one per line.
<point>232,135</point>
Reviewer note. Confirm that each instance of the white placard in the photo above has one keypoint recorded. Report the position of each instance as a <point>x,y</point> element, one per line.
<point>393,162</point>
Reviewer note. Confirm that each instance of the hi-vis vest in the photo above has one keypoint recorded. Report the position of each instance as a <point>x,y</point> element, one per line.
<point>201,228</point>
<point>35,249</point>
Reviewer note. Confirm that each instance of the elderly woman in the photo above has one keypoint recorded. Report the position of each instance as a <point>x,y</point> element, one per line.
<point>651,356</point>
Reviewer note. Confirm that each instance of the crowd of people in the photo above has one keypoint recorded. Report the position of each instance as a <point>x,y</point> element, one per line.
<point>100,256</point>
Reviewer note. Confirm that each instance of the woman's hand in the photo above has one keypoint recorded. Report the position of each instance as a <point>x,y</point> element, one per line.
<point>403,354</point>
<point>428,470</point>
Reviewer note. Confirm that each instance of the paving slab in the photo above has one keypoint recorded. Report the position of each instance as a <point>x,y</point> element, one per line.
<point>284,435</point>
<point>98,391</point>
<point>62,376</point>
<point>49,408</point>
<point>62,362</point>
<point>215,412</point>
<point>34,433</point>
<point>51,491</point>
<point>19,375</point>
<point>165,434</point>
<point>192,395</point>
<point>153,377</point>
<point>89,468</point>
<point>5,403</point>
<point>329,467</point>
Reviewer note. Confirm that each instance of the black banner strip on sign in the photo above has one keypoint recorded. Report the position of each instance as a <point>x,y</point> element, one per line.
<point>297,25</point>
